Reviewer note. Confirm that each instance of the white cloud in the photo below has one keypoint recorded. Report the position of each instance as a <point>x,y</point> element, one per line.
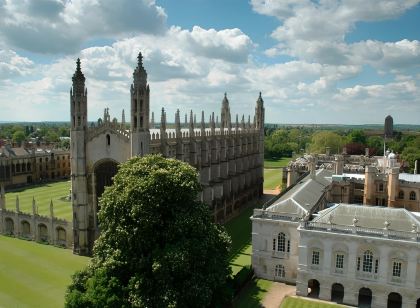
<point>316,31</point>
<point>58,26</point>
<point>13,65</point>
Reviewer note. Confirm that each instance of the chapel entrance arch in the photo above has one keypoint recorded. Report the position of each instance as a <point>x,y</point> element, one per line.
<point>104,171</point>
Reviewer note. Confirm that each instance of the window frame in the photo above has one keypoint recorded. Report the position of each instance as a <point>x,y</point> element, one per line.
<point>339,260</point>
<point>413,196</point>
<point>397,268</point>
<point>316,257</point>
<point>279,271</point>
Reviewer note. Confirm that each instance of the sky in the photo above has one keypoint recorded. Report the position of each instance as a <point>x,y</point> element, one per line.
<point>321,61</point>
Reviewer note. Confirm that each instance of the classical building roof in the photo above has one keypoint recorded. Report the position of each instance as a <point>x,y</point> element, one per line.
<point>304,195</point>
<point>369,217</point>
<point>408,177</point>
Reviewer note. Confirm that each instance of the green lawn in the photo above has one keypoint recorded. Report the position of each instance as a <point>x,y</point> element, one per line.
<point>239,229</point>
<point>43,194</point>
<point>276,163</point>
<point>299,302</point>
<point>252,295</point>
<point>35,275</point>
<point>272,178</point>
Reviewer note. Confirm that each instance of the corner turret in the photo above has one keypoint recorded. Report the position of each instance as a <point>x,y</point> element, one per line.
<point>140,110</point>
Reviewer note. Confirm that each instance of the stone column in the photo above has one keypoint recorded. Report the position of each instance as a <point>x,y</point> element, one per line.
<point>325,290</point>
<point>411,269</point>
<point>327,256</point>
<point>352,260</point>
<point>379,300</point>
<point>350,295</point>
<point>383,264</point>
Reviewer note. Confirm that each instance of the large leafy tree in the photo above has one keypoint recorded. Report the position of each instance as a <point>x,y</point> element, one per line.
<point>158,246</point>
<point>323,139</point>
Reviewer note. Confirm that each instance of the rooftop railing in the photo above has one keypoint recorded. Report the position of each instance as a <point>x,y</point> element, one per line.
<point>363,231</point>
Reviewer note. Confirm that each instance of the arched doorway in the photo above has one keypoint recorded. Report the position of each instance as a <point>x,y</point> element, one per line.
<point>61,236</point>
<point>313,288</point>
<point>10,226</point>
<point>26,229</point>
<point>418,303</point>
<point>394,300</point>
<point>365,297</point>
<point>43,233</point>
<point>337,293</point>
<point>104,173</point>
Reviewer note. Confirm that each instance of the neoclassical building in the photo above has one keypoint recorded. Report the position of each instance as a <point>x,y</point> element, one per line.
<point>366,255</point>
<point>362,256</point>
<point>228,156</point>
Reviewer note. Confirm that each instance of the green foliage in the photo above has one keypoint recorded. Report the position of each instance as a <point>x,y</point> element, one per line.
<point>283,142</point>
<point>410,155</point>
<point>242,277</point>
<point>158,246</point>
<point>323,139</point>
<point>51,136</point>
<point>356,136</point>
<point>377,144</point>
<point>18,136</point>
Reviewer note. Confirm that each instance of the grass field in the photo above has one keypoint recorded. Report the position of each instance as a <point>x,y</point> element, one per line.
<point>239,229</point>
<point>35,275</point>
<point>273,172</point>
<point>277,163</point>
<point>299,302</point>
<point>272,178</point>
<point>43,195</point>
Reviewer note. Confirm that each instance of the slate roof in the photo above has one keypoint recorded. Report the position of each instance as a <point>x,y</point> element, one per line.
<point>304,195</point>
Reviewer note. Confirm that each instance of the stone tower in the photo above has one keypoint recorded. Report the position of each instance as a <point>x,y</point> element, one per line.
<point>140,108</point>
<point>389,127</point>
<point>225,113</point>
<point>78,132</point>
<point>259,125</point>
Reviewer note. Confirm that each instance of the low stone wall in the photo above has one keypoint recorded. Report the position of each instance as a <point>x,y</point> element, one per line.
<point>50,230</point>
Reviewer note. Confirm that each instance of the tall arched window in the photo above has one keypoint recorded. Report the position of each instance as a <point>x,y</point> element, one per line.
<point>401,195</point>
<point>108,140</point>
<point>412,195</point>
<point>279,271</point>
<point>281,242</point>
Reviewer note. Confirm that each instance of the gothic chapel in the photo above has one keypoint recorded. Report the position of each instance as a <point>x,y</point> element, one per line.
<point>228,156</point>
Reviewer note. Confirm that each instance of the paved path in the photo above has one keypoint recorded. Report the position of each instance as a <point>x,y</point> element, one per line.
<point>277,292</point>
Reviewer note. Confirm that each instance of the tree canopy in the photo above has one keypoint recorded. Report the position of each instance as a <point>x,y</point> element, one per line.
<point>158,246</point>
<point>323,139</point>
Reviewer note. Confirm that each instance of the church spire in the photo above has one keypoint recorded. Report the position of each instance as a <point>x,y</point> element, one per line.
<point>78,75</point>
<point>140,74</point>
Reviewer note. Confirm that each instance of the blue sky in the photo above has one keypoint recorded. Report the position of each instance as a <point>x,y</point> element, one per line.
<point>326,61</point>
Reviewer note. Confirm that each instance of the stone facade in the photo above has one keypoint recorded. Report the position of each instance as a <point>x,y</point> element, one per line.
<point>228,156</point>
<point>367,255</point>
<point>361,256</point>
<point>32,226</point>
<point>22,166</point>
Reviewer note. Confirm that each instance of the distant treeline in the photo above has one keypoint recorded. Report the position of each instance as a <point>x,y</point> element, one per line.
<point>283,142</point>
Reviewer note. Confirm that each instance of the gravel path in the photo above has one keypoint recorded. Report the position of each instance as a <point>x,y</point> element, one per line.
<point>275,295</point>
